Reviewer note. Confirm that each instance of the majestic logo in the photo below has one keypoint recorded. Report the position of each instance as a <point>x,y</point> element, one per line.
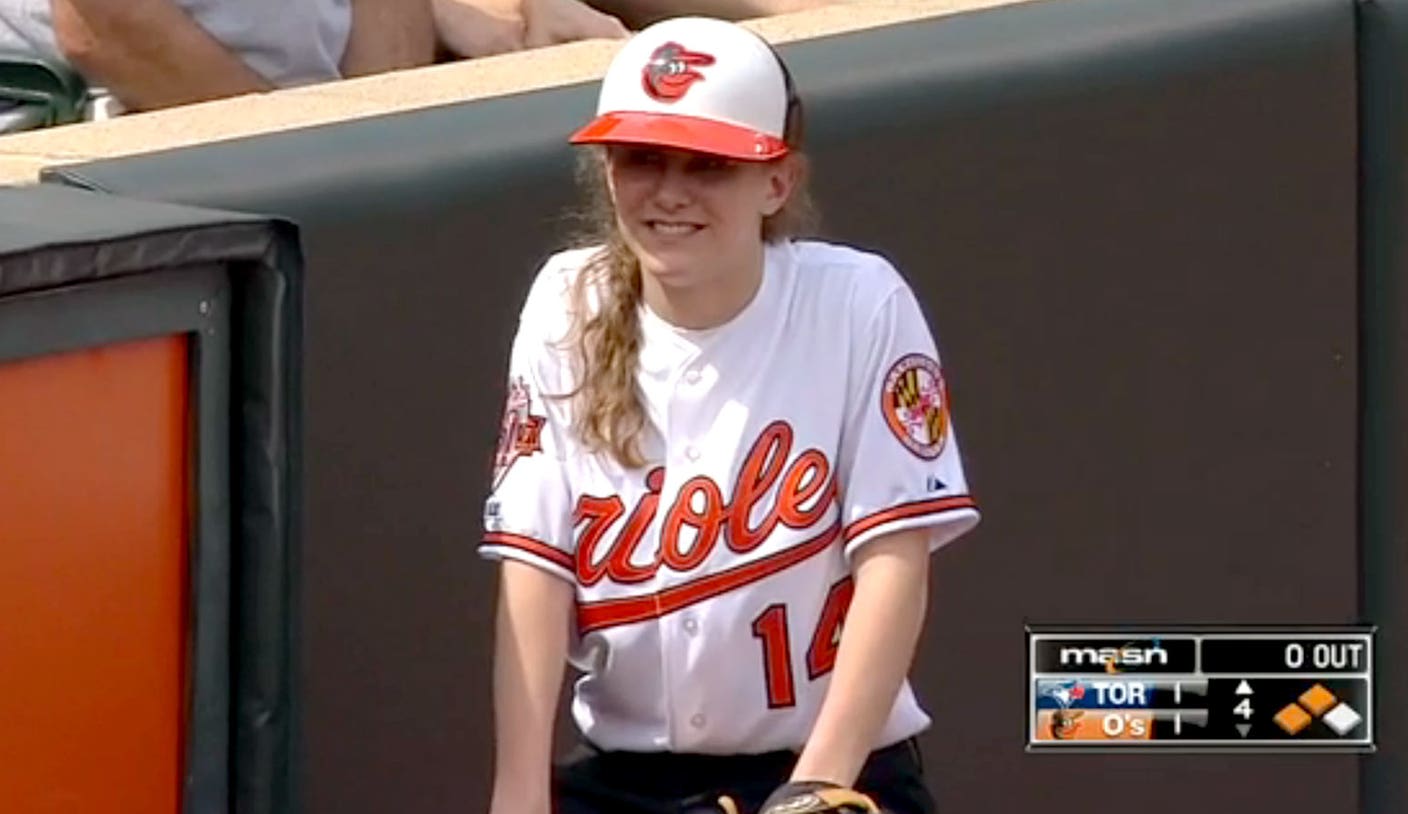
<point>670,72</point>
<point>914,401</point>
<point>521,433</point>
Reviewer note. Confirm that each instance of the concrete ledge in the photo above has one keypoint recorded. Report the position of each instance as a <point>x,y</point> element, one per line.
<point>23,155</point>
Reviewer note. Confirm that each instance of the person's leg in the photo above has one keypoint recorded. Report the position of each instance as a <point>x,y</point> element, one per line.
<point>597,782</point>
<point>593,782</point>
<point>587,783</point>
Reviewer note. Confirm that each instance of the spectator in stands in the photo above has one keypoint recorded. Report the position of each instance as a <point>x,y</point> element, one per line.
<point>150,54</point>
<point>157,53</point>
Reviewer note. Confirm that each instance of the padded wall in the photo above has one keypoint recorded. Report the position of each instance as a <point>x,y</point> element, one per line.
<point>148,356</point>
<point>1383,26</point>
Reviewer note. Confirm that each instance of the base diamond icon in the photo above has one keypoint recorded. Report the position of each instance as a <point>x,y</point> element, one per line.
<point>1342,719</point>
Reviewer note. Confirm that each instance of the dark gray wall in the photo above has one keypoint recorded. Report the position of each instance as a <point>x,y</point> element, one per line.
<point>1133,224</point>
<point>1383,68</point>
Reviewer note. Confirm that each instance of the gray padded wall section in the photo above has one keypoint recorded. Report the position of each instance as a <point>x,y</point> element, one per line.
<point>1383,26</point>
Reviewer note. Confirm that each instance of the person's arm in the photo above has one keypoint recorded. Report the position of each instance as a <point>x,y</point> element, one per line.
<point>640,13</point>
<point>389,35</point>
<point>478,28</point>
<point>549,22</point>
<point>530,654</point>
<point>877,645</point>
<point>149,53</point>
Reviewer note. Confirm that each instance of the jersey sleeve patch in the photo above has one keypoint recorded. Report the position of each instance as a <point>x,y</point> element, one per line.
<point>914,402</point>
<point>521,433</point>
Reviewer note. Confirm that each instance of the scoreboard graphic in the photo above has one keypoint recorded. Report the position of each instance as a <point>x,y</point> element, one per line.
<point>1245,690</point>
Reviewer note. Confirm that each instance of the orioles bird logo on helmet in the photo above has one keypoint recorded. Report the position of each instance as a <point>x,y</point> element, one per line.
<point>670,72</point>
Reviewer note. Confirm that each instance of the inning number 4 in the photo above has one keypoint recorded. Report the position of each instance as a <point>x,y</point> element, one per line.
<point>771,629</point>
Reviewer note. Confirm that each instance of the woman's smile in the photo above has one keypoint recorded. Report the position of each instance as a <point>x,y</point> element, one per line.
<point>673,228</point>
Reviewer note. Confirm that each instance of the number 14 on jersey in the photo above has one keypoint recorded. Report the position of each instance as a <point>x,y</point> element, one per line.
<point>771,629</point>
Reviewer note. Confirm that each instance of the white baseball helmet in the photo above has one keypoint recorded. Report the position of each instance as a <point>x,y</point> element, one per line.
<point>695,83</point>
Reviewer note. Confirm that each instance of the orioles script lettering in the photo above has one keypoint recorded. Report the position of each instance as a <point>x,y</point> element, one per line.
<point>807,480</point>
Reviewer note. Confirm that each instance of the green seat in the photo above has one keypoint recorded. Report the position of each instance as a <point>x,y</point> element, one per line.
<point>37,92</point>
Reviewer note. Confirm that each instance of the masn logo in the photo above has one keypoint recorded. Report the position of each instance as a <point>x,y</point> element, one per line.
<point>1113,656</point>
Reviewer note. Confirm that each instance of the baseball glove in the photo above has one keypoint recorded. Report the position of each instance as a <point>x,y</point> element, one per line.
<point>810,798</point>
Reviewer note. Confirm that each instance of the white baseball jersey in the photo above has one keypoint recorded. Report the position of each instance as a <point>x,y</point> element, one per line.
<point>712,582</point>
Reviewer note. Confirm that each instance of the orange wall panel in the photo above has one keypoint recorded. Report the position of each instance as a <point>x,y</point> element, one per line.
<point>93,528</point>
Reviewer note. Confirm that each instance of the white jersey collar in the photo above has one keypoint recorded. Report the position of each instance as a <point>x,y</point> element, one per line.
<point>657,330</point>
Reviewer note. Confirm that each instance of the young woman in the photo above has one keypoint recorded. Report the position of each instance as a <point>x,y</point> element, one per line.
<point>720,444</point>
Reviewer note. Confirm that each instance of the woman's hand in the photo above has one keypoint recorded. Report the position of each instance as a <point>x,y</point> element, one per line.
<point>481,28</point>
<point>478,28</point>
<point>549,22</point>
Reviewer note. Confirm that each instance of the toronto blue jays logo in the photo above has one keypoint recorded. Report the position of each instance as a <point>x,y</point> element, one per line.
<point>670,72</point>
<point>1065,721</point>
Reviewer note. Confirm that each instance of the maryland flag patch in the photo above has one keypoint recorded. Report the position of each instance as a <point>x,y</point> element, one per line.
<point>521,433</point>
<point>914,401</point>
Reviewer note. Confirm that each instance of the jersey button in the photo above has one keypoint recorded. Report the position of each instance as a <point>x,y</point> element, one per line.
<point>692,377</point>
<point>698,721</point>
<point>691,452</point>
<point>691,626</point>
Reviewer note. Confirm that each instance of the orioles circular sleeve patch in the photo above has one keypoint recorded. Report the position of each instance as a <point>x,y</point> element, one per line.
<point>914,401</point>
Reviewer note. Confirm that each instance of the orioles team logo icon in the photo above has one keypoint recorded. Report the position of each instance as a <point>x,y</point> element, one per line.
<point>1065,723</point>
<point>670,72</point>
<point>914,401</point>
<point>521,433</point>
